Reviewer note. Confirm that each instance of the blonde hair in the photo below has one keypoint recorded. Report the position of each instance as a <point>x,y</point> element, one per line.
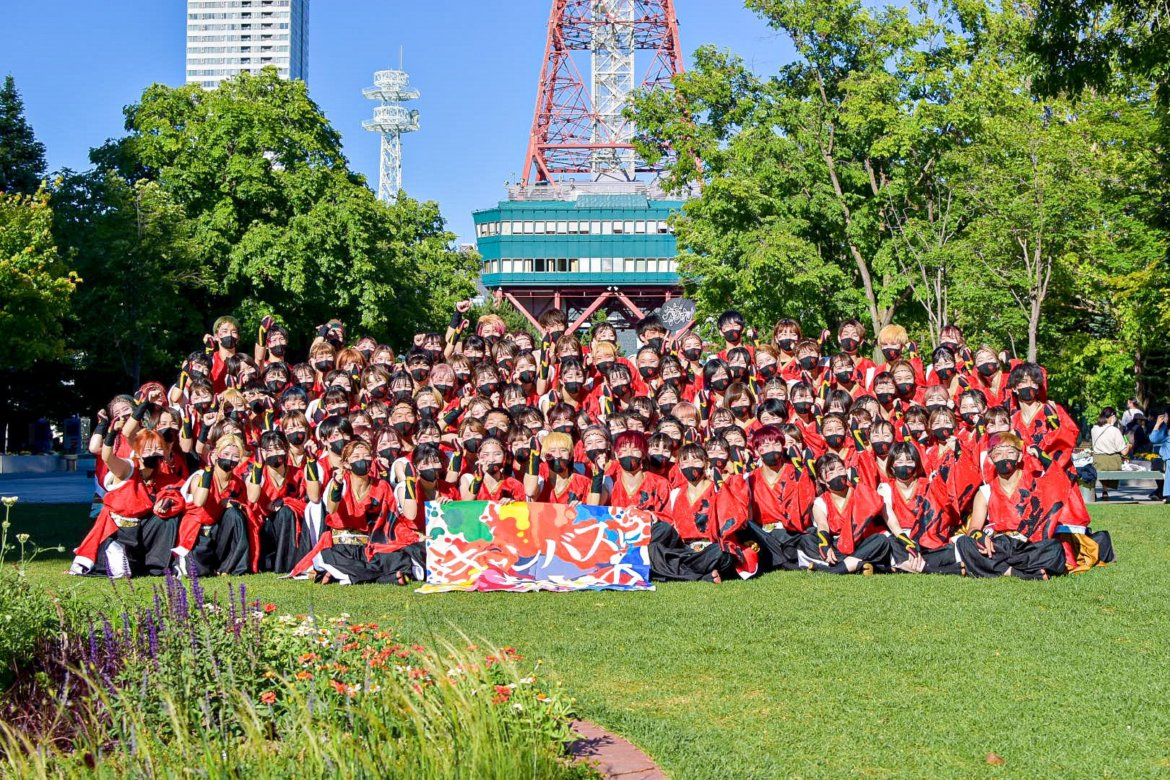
<point>893,334</point>
<point>556,439</point>
<point>229,439</point>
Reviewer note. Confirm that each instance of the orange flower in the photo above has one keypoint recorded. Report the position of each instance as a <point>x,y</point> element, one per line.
<point>268,697</point>
<point>269,608</point>
<point>308,658</point>
<point>503,693</point>
<point>338,686</point>
<point>303,675</point>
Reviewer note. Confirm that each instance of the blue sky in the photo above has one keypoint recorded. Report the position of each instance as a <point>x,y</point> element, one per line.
<point>78,62</point>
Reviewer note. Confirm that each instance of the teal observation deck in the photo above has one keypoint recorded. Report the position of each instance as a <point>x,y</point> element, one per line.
<point>590,241</point>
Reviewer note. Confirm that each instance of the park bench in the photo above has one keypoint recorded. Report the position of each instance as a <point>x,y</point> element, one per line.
<point>1090,493</point>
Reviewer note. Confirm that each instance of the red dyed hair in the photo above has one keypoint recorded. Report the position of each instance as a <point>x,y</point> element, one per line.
<point>630,439</point>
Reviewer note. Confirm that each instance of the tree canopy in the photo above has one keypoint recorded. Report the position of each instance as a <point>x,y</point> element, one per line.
<point>22,156</point>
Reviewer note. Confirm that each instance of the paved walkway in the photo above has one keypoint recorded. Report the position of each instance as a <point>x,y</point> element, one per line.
<point>62,487</point>
<point>614,757</point>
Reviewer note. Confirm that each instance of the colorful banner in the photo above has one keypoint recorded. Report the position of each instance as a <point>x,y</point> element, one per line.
<point>488,546</point>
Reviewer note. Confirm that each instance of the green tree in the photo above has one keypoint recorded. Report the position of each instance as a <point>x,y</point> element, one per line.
<point>22,156</point>
<point>279,221</point>
<point>35,285</point>
<point>135,247</point>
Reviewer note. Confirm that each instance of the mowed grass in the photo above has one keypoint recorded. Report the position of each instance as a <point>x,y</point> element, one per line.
<point>802,675</point>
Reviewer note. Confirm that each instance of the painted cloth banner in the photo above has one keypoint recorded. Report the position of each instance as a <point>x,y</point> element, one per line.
<point>486,546</point>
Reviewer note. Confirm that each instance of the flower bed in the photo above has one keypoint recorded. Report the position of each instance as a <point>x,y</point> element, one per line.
<point>231,687</point>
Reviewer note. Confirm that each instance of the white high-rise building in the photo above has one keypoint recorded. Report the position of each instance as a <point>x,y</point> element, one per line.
<point>225,37</point>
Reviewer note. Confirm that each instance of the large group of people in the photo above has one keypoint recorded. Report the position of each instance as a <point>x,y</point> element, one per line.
<point>767,451</point>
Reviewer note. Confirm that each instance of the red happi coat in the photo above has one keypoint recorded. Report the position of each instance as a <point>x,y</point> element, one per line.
<point>860,519</point>
<point>1033,508</point>
<point>577,490</point>
<point>196,517</point>
<point>929,516</point>
<point>787,501</point>
<point>134,497</point>
<point>653,494</point>
<point>1050,430</point>
<point>508,487</point>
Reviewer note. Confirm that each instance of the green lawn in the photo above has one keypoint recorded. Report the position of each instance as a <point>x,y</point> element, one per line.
<point>802,675</point>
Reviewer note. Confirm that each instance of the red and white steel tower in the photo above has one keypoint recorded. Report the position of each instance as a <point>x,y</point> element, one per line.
<point>578,127</point>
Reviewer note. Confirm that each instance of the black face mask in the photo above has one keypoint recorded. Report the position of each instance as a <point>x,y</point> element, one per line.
<point>489,388</point>
<point>323,366</point>
<point>658,460</point>
<point>692,474</point>
<point>278,350</point>
<point>839,483</point>
<point>428,475</point>
<point>1006,467</point>
<point>892,353</point>
<point>228,342</point>
<point>772,459</point>
<point>378,391</point>
<point>169,435</point>
<point>835,440</point>
<point>604,367</point>
<point>572,388</point>
<point>276,460</point>
<point>786,345</point>
<point>849,345</point>
<point>986,369</point>
<point>444,390</point>
<point>593,455</point>
<point>405,394</point>
<point>233,414</point>
<point>718,463</point>
<point>516,409</point>
<point>844,377</point>
<point>942,434</point>
<point>436,355</point>
<point>555,335</point>
<point>203,407</point>
<point>419,373</point>
<point>360,467</point>
<point>768,371</point>
<point>904,471</point>
<point>648,372</point>
<point>337,445</point>
<point>720,384</point>
<point>951,345</point>
<point>692,354</point>
<point>732,336</point>
<point>527,377</point>
<point>655,344</point>
<point>922,436</point>
<point>884,398</point>
<point>630,463</point>
<point>666,409</point>
<point>462,376</point>
<point>741,412</point>
<point>1026,394</point>
<point>558,465</point>
<point>152,461</point>
<point>945,373</point>
<point>274,385</point>
<point>905,388</point>
<point>802,407</point>
<point>226,464</point>
<point>882,448</point>
<point>389,453</point>
<point>472,445</point>
<point>739,373</point>
<point>972,418</point>
<point>297,438</point>
<point>569,429</point>
<point>257,405</point>
<point>932,408</point>
<point>494,470</point>
<point>336,411</point>
<point>427,412</point>
<point>497,433</point>
<point>808,363</point>
<point>621,391</point>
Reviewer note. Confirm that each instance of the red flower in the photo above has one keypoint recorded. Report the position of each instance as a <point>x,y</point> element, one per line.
<point>503,693</point>
<point>268,697</point>
<point>269,608</point>
<point>338,686</point>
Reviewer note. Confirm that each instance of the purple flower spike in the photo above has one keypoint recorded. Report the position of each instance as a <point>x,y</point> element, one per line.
<point>196,589</point>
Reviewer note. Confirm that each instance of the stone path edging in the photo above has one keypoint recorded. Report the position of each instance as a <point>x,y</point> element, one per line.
<point>613,756</point>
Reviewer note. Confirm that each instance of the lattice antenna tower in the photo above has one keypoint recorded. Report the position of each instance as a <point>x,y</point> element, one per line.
<point>391,119</point>
<point>578,127</point>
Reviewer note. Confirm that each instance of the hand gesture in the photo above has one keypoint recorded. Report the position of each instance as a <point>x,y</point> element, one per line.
<point>210,341</point>
<point>463,307</point>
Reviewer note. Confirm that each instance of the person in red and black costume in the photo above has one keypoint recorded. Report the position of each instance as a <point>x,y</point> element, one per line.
<point>278,534</point>
<point>135,529</point>
<point>424,482</point>
<point>213,534</point>
<point>698,541</point>
<point>925,509</point>
<point>1046,429</point>
<point>1014,516</point>
<point>488,481</point>
<point>850,520</point>
<point>563,485</point>
<point>782,493</point>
